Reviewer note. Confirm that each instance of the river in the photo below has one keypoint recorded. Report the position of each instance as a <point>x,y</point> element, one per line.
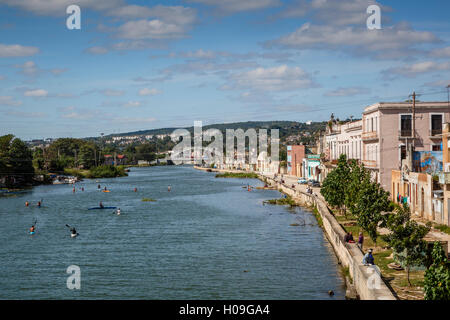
<point>207,238</point>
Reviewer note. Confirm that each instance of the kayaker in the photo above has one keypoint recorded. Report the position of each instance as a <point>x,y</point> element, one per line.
<point>27,203</point>
<point>101,205</point>
<point>98,187</point>
<point>135,189</point>
<point>118,212</point>
<point>169,188</point>
<point>105,188</point>
<point>39,204</point>
<point>32,229</point>
<point>73,231</point>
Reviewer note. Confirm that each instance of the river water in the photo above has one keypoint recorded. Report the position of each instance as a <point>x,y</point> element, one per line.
<point>208,238</point>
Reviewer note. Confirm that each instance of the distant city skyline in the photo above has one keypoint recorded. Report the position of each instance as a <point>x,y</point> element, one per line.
<point>140,65</point>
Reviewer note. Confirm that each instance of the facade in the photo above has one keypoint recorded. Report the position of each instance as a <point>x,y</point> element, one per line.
<point>311,167</point>
<point>344,139</point>
<point>295,156</point>
<point>391,134</point>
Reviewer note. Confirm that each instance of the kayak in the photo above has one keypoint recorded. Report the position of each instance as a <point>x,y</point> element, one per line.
<point>98,208</point>
<point>73,235</point>
<point>31,232</point>
<point>106,191</point>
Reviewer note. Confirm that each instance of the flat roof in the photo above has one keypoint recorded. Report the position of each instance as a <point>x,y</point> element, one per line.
<point>405,105</point>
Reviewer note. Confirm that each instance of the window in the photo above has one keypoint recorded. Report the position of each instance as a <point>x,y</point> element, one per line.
<point>405,125</point>
<point>436,147</point>
<point>402,152</point>
<point>436,124</point>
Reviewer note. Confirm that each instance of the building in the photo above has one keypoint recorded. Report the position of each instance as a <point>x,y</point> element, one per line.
<point>311,167</point>
<point>393,131</point>
<point>111,160</point>
<point>344,139</point>
<point>295,156</point>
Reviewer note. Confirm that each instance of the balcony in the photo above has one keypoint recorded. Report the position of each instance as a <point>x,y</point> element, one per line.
<point>444,178</point>
<point>436,133</point>
<point>406,133</point>
<point>370,163</point>
<point>367,136</point>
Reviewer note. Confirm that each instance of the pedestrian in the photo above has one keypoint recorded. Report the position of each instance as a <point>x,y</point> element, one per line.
<point>360,240</point>
<point>368,258</point>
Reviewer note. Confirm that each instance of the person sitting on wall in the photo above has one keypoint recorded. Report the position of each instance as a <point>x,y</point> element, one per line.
<point>368,258</point>
<point>349,238</point>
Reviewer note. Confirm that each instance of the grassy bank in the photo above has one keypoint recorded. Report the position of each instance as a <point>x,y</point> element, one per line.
<point>282,201</point>
<point>97,172</point>
<point>240,175</point>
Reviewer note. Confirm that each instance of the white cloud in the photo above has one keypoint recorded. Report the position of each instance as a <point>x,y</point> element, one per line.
<point>38,93</point>
<point>149,92</point>
<point>9,101</point>
<point>171,14</point>
<point>441,53</point>
<point>332,12</point>
<point>150,29</point>
<point>97,50</point>
<point>281,78</point>
<point>132,104</point>
<point>347,92</point>
<point>58,7</point>
<point>16,50</point>
<point>232,6</point>
<point>398,41</point>
<point>415,69</point>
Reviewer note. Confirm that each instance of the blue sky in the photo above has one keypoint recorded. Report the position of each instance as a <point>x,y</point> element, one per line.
<point>138,65</point>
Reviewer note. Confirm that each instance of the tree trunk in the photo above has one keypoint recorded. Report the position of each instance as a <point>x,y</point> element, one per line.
<point>407,273</point>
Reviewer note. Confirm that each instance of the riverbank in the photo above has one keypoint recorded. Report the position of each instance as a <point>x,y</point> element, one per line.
<point>366,281</point>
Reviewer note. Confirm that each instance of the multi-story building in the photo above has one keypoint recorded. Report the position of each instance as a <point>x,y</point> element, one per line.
<point>393,131</point>
<point>344,139</point>
<point>295,156</point>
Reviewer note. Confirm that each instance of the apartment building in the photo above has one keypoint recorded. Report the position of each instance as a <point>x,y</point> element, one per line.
<point>391,131</point>
<point>344,139</point>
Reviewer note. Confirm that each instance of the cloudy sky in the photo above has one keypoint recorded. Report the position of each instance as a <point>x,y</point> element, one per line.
<point>149,64</point>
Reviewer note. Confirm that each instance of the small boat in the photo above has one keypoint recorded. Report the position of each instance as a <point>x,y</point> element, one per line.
<point>73,235</point>
<point>99,208</point>
<point>106,191</point>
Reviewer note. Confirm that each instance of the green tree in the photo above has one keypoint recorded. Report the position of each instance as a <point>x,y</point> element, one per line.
<point>437,276</point>
<point>371,201</point>
<point>357,175</point>
<point>406,238</point>
<point>16,161</point>
<point>334,185</point>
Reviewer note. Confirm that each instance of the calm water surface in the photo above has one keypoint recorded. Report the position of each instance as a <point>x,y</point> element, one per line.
<point>206,239</point>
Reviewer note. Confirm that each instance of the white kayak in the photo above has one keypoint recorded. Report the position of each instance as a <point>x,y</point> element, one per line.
<point>73,235</point>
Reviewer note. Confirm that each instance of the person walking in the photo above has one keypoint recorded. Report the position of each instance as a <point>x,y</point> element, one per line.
<point>360,240</point>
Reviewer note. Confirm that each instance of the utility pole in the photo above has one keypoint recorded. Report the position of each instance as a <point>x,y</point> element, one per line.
<point>448,95</point>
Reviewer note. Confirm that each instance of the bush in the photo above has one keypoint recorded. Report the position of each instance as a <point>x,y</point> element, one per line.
<point>106,172</point>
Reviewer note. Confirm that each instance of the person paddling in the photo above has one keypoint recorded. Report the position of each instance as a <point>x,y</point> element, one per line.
<point>101,205</point>
<point>27,203</point>
<point>169,188</point>
<point>39,204</point>
<point>118,212</point>
<point>32,229</point>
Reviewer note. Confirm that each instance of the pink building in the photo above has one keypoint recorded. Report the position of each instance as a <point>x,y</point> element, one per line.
<point>389,132</point>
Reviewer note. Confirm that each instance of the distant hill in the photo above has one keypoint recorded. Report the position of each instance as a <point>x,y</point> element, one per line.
<point>286,128</point>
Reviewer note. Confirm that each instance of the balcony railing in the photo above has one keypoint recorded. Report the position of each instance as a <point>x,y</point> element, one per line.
<point>435,132</point>
<point>405,133</point>
<point>370,163</point>
<point>370,135</point>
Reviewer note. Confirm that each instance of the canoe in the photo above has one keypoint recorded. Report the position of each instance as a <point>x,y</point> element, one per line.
<point>98,208</point>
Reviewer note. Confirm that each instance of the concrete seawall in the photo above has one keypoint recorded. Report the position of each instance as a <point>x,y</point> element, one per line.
<point>367,280</point>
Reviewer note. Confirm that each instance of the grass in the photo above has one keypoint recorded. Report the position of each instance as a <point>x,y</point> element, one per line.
<point>148,200</point>
<point>443,228</point>
<point>283,201</point>
<point>346,273</point>
<point>239,175</point>
<point>318,217</point>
